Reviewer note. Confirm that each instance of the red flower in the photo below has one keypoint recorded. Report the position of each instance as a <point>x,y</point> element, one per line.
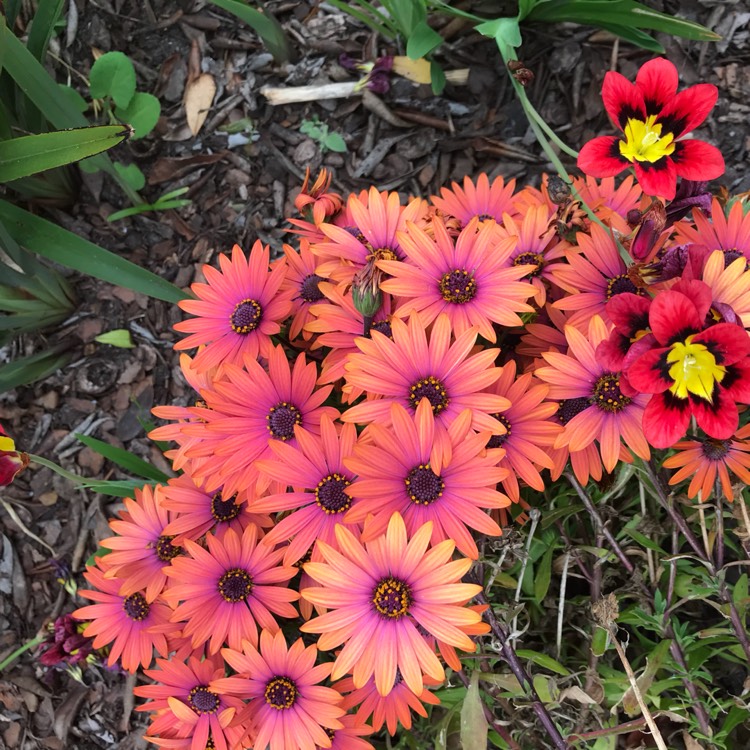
<point>654,119</point>
<point>691,369</point>
<point>11,461</point>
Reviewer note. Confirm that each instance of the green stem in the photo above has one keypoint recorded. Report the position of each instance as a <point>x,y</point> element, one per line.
<point>20,650</point>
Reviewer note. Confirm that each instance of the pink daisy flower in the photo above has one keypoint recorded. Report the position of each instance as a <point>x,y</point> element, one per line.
<point>726,231</point>
<point>403,471</point>
<point>303,282</point>
<point>186,709</point>
<point>410,367</point>
<point>467,278</point>
<point>247,409</point>
<point>229,589</point>
<point>197,511</point>
<point>287,706</point>
<point>349,737</point>
<point>133,626</point>
<point>480,201</point>
<point>593,277</point>
<point>238,309</point>
<point>611,204</point>
<point>379,594</point>
<point>142,548</point>
<point>316,470</point>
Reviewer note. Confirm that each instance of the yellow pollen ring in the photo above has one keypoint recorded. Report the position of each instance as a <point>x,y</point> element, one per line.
<point>694,370</point>
<point>644,141</point>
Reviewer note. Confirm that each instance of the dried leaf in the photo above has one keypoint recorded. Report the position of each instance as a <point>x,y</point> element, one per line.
<point>576,694</point>
<point>199,95</point>
<point>415,70</point>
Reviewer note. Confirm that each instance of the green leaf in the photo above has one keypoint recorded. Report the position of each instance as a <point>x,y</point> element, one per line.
<point>76,100</point>
<point>124,458</point>
<point>740,594</point>
<point>141,114</point>
<point>35,367</point>
<point>634,36</point>
<point>334,142</point>
<point>407,14</point>
<point>113,75</point>
<point>21,157</point>
<point>474,726</point>
<point>43,26</point>
<point>643,540</point>
<point>527,6</point>
<point>131,174</point>
<point>505,31</point>
<point>543,575</point>
<point>264,25</point>
<point>437,78</point>
<point>600,641</point>
<point>559,514</point>
<point>57,244</point>
<point>100,552</point>
<point>120,337</point>
<point>544,661</point>
<point>422,41</point>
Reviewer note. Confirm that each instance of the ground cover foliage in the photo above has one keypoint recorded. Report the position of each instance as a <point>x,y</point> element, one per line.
<point>565,364</point>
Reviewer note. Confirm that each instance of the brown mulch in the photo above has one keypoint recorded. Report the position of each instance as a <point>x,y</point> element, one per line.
<point>242,187</point>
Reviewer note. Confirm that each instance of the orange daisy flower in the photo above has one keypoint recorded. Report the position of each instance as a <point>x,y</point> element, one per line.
<point>466,277</point>
<point>304,283</point>
<point>730,286</point>
<point>704,459</point>
<point>238,309</point>
<point>611,204</point>
<point>480,201</point>
<point>379,594</point>
<point>728,233</point>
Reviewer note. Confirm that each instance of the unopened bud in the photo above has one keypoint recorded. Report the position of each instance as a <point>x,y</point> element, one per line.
<point>558,190</point>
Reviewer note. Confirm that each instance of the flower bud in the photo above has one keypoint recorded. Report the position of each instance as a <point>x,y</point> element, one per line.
<point>11,461</point>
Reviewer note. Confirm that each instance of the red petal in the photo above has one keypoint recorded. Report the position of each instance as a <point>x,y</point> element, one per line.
<point>736,382</point>
<point>611,352</point>
<point>657,79</point>
<point>665,419</point>
<point>698,292</point>
<point>697,160</point>
<point>629,313</point>
<point>658,178</point>
<point>727,342</point>
<point>673,316</point>
<point>601,157</point>
<point>650,372</point>
<point>718,419</point>
<point>688,109</point>
<point>622,99</point>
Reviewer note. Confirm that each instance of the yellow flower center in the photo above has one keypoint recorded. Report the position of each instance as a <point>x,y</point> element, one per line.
<point>6,444</point>
<point>694,369</point>
<point>644,142</point>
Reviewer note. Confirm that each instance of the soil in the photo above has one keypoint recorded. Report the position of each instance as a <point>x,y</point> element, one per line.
<point>241,188</point>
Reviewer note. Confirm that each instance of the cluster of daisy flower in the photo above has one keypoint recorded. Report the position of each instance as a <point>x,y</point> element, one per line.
<point>395,389</point>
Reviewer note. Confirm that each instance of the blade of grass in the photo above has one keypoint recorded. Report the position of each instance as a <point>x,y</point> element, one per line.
<point>28,369</point>
<point>43,26</point>
<point>124,458</point>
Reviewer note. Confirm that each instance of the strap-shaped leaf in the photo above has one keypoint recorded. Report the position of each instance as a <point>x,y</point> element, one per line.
<point>124,458</point>
<point>21,157</point>
<point>58,244</point>
<point>35,367</point>
<point>42,27</point>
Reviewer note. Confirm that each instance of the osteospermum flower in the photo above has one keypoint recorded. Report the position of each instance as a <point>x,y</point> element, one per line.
<point>288,708</point>
<point>691,369</point>
<point>379,594</point>
<point>529,431</point>
<point>592,277</point>
<point>316,471</point>
<point>238,309</point>
<point>133,626</point>
<point>704,459</point>
<point>404,470</point>
<point>610,203</point>
<point>230,589</point>
<point>141,548</point>
<point>392,709</point>
<point>304,283</point>
<point>728,232</point>
<point>244,411</point>
<point>730,287</point>
<point>609,414</point>
<point>409,367</point>
<point>187,708</point>
<point>481,201</point>
<point>654,120</point>
<point>467,278</point>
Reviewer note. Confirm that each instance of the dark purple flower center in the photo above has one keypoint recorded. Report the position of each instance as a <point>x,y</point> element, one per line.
<point>280,693</point>
<point>621,284</point>
<point>330,495</point>
<point>246,316</point>
<point>235,585</point>
<point>223,510</point>
<point>309,290</point>
<point>433,390</point>
<point>715,450</point>
<point>485,217</point>
<point>530,259</point>
<point>203,701</point>
<point>165,550</point>
<point>392,598</point>
<point>136,607</point>
<point>497,441</point>
<point>281,420</point>
<point>571,407</point>
<point>424,486</point>
<point>731,255</point>
<point>384,327</point>
<point>607,394</point>
<point>458,287</point>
